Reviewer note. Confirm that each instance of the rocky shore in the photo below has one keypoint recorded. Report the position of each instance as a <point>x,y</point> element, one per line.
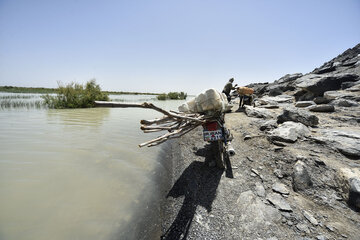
<point>296,174</point>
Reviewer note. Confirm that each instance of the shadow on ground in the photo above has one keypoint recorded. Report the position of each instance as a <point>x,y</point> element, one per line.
<point>198,184</point>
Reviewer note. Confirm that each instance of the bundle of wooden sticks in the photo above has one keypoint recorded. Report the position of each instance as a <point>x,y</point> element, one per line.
<point>175,123</point>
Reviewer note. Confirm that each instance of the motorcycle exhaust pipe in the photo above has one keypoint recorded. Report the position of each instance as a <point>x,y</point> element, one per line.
<point>230,150</point>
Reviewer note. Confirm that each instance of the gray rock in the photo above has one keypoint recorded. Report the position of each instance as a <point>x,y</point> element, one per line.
<point>319,84</point>
<point>322,108</point>
<point>278,201</point>
<point>273,106</point>
<point>302,104</point>
<point>298,115</point>
<point>325,69</point>
<point>346,85</point>
<point>332,95</point>
<point>278,173</point>
<point>289,78</point>
<point>303,227</point>
<point>344,103</point>
<point>260,190</point>
<point>306,96</point>
<point>280,188</point>
<point>354,193</point>
<point>345,141</point>
<point>268,125</point>
<point>301,177</point>
<point>278,143</point>
<point>278,99</point>
<point>321,100</point>
<point>258,112</point>
<point>256,213</point>
<point>321,237</point>
<point>348,180</point>
<point>310,218</point>
<point>355,88</point>
<point>331,228</point>
<point>289,132</point>
<point>275,90</point>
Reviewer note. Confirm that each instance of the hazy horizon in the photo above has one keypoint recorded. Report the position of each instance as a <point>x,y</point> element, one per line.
<point>163,46</point>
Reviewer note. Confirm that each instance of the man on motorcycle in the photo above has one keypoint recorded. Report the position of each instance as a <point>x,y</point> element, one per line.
<point>228,87</point>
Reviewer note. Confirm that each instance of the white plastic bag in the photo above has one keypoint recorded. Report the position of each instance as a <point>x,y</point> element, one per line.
<point>208,101</point>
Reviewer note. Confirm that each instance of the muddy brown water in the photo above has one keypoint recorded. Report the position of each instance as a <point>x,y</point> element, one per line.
<point>79,174</point>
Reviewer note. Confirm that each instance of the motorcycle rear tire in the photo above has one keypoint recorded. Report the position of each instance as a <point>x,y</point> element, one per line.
<point>218,150</point>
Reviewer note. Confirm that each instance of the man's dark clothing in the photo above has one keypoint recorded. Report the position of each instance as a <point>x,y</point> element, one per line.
<point>228,87</point>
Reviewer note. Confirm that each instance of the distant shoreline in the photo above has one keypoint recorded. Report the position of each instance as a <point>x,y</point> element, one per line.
<point>12,89</point>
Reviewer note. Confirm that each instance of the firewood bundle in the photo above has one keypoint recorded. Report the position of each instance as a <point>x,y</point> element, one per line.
<point>175,123</point>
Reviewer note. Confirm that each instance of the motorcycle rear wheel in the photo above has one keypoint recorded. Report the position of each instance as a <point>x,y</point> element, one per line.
<point>218,151</point>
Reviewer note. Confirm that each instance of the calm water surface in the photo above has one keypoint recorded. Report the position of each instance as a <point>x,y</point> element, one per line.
<point>79,174</point>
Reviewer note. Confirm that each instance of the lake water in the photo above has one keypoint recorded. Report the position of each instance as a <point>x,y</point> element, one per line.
<point>79,174</point>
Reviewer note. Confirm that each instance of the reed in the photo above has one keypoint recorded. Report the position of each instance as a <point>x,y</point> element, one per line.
<point>11,103</point>
<point>18,96</point>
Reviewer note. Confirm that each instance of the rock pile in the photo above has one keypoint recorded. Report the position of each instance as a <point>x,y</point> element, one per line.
<point>297,171</point>
<point>321,107</point>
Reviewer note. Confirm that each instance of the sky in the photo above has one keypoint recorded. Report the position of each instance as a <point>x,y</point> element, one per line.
<point>170,45</point>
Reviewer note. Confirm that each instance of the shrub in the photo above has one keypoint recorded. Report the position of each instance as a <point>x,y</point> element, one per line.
<point>162,96</point>
<point>172,95</point>
<point>75,95</point>
<point>182,96</point>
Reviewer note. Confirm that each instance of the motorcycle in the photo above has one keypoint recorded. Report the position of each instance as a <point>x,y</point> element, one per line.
<point>219,137</point>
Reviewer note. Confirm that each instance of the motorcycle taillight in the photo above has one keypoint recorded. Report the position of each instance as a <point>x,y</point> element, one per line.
<point>211,126</point>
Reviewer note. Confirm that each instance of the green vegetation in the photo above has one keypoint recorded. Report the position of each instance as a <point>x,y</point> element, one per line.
<point>172,95</point>
<point>162,96</point>
<point>128,93</point>
<point>76,95</point>
<point>12,89</point>
<point>17,96</point>
<point>14,103</point>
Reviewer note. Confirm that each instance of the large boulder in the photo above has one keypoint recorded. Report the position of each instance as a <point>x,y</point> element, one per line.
<point>285,83</point>
<point>318,84</point>
<point>289,78</point>
<point>349,184</point>
<point>275,90</point>
<point>344,103</point>
<point>344,94</point>
<point>278,99</point>
<point>298,115</point>
<point>355,88</point>
<point>256,214</point>
<point>346,85</point>
<point>354,193</point>
<point>289,132</point>
<point>258,112</point>
<point>268,125</point>
<point>301,177</point>
<point>346,141</point>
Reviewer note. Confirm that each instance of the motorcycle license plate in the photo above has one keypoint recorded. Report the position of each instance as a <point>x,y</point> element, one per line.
<point>212,135</point>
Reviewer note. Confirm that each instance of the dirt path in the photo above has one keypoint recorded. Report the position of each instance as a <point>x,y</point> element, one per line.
<point>244,202</point>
